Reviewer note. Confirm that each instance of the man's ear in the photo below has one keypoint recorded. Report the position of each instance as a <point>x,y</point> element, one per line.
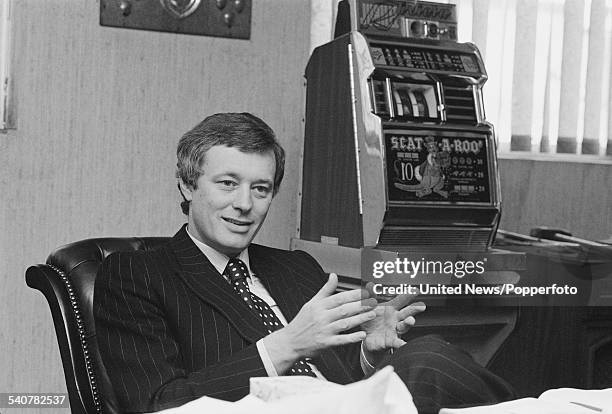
<point>186,190</point>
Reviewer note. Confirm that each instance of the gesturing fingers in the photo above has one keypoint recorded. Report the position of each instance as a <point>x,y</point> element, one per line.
<point>406,317</point>
<point>400,301</point>
<point>348,338</point>
<point>404,325</point>
<point>398,343</point>
<point>411,310</point>
<point>348,296</point>
<point>328,288</point>
<point>383,341</point>
<point>352,308</point>
<point>344,324</point>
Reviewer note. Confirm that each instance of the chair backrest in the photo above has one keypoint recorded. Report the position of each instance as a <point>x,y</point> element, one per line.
<point>67,282</point>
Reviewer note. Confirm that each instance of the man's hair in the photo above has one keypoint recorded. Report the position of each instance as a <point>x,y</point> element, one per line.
<point>244,131</point>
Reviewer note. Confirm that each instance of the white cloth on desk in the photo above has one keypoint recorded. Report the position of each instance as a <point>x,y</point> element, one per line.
<point>555,401</point>
<point>382,393</point>
<point>597,399</point>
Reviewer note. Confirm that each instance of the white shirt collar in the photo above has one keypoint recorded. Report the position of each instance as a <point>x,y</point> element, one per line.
<point>218,259</point>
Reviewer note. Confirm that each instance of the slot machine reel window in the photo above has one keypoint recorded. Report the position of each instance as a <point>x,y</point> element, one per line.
<point>414,101</point>
<point>378,96</point>
<point>426,167</point>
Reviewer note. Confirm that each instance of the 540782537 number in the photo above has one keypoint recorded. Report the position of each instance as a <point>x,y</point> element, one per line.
<point>33,400</point>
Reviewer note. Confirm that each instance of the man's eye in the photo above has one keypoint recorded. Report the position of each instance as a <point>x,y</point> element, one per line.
<point>228,183</point>
<point>262,190</point>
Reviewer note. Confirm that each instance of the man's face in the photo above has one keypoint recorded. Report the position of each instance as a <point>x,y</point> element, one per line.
<point>232,198</point>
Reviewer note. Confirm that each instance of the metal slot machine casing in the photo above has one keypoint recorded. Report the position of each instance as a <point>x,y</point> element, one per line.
<point>397,151</point>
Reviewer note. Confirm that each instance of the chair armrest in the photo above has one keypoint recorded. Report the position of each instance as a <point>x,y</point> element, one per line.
<point>69,328</point>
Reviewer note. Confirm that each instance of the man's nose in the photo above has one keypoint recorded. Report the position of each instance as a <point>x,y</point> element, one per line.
<point>243,200</point>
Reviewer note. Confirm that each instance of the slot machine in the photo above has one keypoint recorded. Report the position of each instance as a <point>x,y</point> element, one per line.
<point>398,155</point>
<point>398,151</point>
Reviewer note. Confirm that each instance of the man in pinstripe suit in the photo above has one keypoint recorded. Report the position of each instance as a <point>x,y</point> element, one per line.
<point>171,328</point>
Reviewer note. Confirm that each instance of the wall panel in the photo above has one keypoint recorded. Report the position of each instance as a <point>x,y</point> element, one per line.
<point>99,113</point>
<point>563,194</point>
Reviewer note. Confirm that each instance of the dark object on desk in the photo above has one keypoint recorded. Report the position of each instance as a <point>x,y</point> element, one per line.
<point>67,281</point>
<point>555,346</point>
<point>592,250</point>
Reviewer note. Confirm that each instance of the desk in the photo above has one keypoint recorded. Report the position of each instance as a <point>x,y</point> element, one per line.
<point>555,347</point>
<point>560,346</point>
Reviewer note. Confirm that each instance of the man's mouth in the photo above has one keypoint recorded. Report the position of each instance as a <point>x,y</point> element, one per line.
<point>237,222</point>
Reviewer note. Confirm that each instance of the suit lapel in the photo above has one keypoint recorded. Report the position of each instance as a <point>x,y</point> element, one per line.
<point>279,279</point>
<point>205,281</point>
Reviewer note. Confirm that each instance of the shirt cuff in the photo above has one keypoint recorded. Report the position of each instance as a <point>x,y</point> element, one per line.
<point>265,358</point>
<point>366,366</point>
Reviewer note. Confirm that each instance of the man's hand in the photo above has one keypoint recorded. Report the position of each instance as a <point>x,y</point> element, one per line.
<point>393,318</point>
<point>321,324</point>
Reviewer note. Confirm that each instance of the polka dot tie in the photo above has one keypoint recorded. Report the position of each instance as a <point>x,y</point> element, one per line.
<point>237,273</point>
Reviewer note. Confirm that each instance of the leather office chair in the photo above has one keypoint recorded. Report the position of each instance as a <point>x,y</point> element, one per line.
<point>67,282</point>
